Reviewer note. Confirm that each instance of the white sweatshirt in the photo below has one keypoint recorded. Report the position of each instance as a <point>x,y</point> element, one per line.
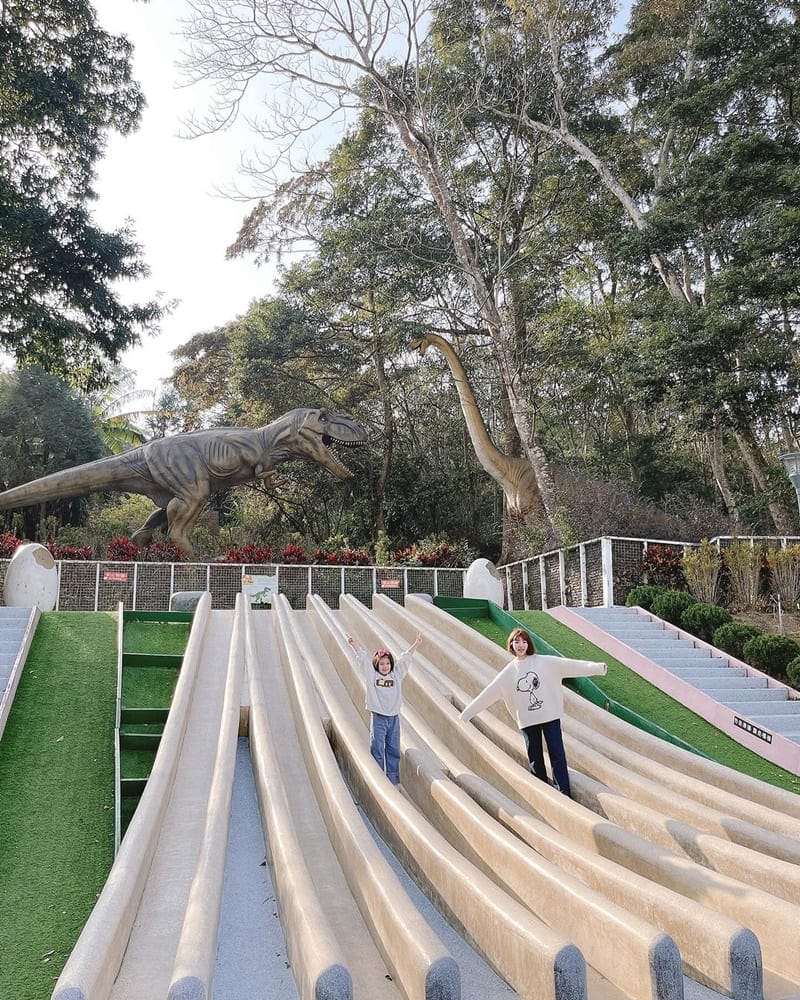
<point>384,694</point>
<point>531,688</point>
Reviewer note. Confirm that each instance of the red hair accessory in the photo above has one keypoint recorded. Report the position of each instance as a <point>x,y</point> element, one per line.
<point>382,652</point>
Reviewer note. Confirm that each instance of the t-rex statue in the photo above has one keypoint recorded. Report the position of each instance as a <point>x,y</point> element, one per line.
<point>180,473</point>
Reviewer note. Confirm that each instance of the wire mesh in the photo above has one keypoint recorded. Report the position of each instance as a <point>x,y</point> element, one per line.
<point>517,587</point>
<point>572,577</point>
<point>552,577</point>
<point>627,555</point>
<point>534,584</point>
<point>593,552</point>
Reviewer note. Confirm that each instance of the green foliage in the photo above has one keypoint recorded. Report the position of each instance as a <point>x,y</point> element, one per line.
<point>703,620</point>
<point>64,85</point>
<point>644,595</point>
<point>793,672</point>
<point>731,637</point>
<point>771,653</point>
<point>383,550</point>
<point>44,427</point>
<point>120,516</point>
<point>672,604</point>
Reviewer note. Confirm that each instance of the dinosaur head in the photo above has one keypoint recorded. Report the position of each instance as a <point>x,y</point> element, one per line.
<point>421,345</point>
<point>317,431</point>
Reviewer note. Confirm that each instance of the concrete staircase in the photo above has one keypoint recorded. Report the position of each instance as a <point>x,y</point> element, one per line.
<point>715,675</point>
<point>17,626</point>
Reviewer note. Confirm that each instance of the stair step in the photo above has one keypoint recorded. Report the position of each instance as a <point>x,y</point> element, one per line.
<point>776,708</point>
<point>725,690</point>
<point>690,670</point>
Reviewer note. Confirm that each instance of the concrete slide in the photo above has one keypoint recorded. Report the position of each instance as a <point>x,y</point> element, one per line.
<point>667,877</point>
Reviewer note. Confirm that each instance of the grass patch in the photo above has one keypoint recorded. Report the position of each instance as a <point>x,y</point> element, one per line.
<point>148,687</point>
<point>155,637</point>
<point>56,798</point>
<point>639,695</point>
<point>136,763</point>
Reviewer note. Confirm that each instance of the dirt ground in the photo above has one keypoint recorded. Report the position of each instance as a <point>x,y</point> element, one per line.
<point>768,621</point>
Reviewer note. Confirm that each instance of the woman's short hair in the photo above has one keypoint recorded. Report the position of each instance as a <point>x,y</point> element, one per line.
<point>379,654</point>
<point>525,635</point>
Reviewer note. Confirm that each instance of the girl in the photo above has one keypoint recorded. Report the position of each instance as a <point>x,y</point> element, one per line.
<point>530,686</point>
<point>384,700</point>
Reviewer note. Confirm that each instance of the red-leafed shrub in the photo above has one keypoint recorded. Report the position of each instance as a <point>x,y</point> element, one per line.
<point>343,557</point>
<point>163,552</point>
<point>293,554</point>
<point>8,543</point>
<point>75,552</point>
<point>439,553</point>
<point>122,549</point>
<point>252,554</point>
<point>661,565</point>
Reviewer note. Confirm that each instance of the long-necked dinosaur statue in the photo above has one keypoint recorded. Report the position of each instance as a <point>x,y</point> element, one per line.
<point>515,475</point>
<point>179,473</point>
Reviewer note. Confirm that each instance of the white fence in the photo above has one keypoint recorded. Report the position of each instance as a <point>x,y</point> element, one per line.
<point>143,586</point>
<point>597,573</point>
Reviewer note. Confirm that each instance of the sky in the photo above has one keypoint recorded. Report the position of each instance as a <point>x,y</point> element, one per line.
<point>164,185</point>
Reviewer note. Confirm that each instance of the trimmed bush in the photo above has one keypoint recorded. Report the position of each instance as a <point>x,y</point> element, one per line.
<point>731,638</point>
<point>671,605</point>
<point>771,653</point>
<point>703,620</point>
<point>644,595</point>
<point>793,672</point>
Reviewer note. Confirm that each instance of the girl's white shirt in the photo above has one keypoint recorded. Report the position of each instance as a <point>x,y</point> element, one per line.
<point>531,688</point>
<point>384,691</point>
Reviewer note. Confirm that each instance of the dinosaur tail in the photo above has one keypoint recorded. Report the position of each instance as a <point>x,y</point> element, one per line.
<point>88,478</point>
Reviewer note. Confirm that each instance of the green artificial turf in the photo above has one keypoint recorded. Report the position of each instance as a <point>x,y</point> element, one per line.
<point>639,695</point>
<point>56,798</point>
<point>155,637</point>
<point>148,687</point>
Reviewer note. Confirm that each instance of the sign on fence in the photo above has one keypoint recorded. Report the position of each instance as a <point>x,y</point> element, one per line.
<point>260,588</point>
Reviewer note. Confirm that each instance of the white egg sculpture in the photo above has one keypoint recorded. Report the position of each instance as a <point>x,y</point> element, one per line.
<point>483,582</point>
<point>31,578</point>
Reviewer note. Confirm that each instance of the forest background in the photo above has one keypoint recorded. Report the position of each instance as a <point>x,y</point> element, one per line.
<point>598,231</point>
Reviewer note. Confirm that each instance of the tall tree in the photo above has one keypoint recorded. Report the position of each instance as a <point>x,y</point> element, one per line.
<point>692,128</point>
<point>346,57</point>
<point>44,427</point>
<point>64,84</point>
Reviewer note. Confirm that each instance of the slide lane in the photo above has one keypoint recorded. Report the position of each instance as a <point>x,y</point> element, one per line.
<point>488,766</point>
<point>665,866</point>
<point>379,938</point>
<point>130,943</point>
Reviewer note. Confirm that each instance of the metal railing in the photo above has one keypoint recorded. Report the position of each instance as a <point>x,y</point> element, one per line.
<point>597,573</point>
<point>143,586</point>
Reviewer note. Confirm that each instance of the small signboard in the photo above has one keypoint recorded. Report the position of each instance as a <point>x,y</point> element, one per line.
<point>115,575</point>
<point>260,589</point>
<point>390,584</point>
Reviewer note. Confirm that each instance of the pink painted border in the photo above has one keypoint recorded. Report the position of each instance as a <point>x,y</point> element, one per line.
<point>785,753</point>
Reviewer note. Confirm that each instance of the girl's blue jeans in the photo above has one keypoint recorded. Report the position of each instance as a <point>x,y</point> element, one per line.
<point>385,745</point>
<point>551,731</point>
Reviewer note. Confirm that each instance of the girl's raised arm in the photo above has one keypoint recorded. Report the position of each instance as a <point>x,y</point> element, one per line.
<point>415,643</point>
